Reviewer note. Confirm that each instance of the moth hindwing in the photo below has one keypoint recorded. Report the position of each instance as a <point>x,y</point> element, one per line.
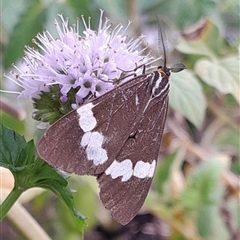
<point>116,138</point>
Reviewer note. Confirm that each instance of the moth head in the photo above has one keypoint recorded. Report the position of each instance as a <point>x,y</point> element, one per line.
<point>163,71</point>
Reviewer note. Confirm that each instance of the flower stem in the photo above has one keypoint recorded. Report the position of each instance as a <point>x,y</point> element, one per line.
<point>9,202</point>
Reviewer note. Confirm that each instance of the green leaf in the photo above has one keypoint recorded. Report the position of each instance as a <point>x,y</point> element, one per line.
<point>205,219</point>
<point>203,193</point>
<point>30,23</point>
<point>12,122</point>
<point>222,74</point>
<point>19,157</point>
<point>186,96</point>
<point>163,172</point>
<point>210,223</point>
<point>194,47</point>
<point>203,185</point>
<point>205,179</point>
<point>49,178</point>
<point>208,43</point>
<point>231,63</point>
<point>11,146</point>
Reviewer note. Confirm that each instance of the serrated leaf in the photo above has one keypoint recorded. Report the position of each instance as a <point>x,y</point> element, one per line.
<point>222,74</point>
<point>49,178</point>
<point>11,146</point>
<point>19,157</point>
<point>186,96</point>
<point>27,155</point>
<point>30,23</point>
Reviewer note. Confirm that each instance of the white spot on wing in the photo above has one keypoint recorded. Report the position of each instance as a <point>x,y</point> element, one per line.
<point>152,168</point>
<point>125,169</point>
<point>87,121</point>
<point>144,169</point>
<point>93,142</point>
<point>120,169</point>
<point>86,139</point>
<point>136,100</point>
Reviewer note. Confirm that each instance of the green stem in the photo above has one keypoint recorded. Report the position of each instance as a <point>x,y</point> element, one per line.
<point>9,202</point>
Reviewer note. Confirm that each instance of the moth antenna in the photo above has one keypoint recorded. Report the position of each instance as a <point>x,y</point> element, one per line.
<point>161,42</point>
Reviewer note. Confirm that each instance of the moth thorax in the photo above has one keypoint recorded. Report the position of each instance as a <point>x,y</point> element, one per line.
<point>160,83</point>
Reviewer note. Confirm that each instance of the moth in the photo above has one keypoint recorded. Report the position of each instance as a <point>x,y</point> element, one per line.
<point>115,137</point>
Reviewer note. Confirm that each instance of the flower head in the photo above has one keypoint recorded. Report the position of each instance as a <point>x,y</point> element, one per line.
<point>66,71</point>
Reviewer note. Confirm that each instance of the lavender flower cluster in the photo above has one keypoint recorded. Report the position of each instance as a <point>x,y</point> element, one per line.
<point>78,67</point>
